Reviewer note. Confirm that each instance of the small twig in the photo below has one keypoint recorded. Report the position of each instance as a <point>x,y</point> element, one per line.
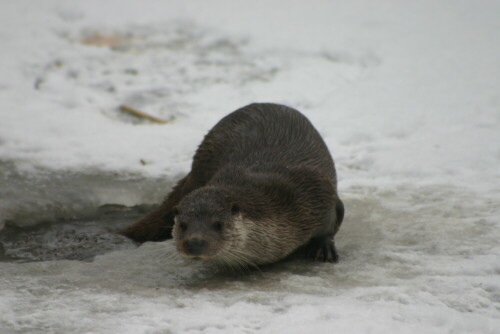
<point>141,114</point>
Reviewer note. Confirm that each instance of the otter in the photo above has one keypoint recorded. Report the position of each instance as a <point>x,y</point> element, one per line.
<point>262,186</point>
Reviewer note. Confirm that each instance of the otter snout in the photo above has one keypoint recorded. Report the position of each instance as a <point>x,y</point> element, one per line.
<point>194,246</point>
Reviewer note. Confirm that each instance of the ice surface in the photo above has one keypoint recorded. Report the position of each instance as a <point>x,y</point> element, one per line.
<point>29,198</point>
<point>405,94</point>
<point>399,272</point>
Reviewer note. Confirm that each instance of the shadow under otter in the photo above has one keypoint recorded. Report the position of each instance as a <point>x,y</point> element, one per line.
<point>262,185</point>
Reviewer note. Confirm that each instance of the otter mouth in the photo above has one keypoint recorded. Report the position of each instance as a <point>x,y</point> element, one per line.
<point>197,257</point>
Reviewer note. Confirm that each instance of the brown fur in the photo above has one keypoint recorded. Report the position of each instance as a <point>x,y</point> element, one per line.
<point>262,184</point>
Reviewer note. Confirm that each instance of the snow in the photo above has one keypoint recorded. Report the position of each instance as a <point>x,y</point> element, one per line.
<point>406,95</point>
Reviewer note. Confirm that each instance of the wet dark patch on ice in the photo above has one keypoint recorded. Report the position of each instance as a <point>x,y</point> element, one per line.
<point>70,239</point>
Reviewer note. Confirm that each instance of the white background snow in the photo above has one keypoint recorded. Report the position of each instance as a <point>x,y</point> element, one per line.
<point>405,93</point>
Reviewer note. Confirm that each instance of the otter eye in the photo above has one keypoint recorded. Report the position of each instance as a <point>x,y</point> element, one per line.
<point>183,227</point>
<point>217,226</point>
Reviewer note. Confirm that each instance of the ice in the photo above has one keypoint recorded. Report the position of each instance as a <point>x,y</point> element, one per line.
<point>405,95</point>
<point>397,272</point>
<point>29,198</point>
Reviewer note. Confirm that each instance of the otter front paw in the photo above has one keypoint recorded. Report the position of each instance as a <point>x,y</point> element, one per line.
<point>322,249</point>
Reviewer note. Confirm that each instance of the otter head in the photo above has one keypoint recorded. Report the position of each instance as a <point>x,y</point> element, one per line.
<point>205,220</point>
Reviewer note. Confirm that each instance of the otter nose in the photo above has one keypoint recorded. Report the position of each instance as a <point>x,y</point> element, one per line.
<point>195,246</point>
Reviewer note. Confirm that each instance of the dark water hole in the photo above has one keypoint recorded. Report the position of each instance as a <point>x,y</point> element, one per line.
<point>71,239</point>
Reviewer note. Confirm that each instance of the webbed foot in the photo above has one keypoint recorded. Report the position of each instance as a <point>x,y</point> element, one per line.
<point>322,249</point>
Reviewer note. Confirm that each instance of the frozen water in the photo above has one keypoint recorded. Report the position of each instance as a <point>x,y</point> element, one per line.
<point>29,198</point>
<point>405,95</point>
<point>398,271</point>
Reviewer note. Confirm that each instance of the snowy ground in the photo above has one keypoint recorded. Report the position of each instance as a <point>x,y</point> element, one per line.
<point>406,95</point>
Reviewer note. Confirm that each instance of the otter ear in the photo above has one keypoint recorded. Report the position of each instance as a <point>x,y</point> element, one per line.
<point>235,209</point>
<point>339,208</point>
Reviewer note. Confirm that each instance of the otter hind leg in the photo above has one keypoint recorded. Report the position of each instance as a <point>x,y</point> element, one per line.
<point>158,224</point>
<point>322,249</point>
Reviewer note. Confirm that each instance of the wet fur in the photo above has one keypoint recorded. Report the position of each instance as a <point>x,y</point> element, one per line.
<point>271,161</point>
